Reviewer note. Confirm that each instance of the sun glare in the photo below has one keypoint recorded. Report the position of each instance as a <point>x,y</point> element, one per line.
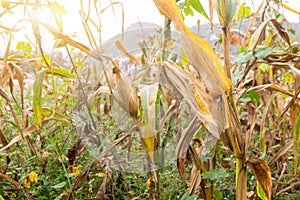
<point>104,19</point>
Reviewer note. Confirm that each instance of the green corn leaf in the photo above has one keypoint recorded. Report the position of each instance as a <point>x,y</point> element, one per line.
<point>61,72</point>
<point>227,10</point>
<point>260,192</point>
<point>37,97</point>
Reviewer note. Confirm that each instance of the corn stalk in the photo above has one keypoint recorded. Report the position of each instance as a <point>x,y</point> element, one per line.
<point>227,11</point>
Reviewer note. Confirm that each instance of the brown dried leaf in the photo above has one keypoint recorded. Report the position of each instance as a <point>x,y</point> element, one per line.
<point>181,169</point>
<point>121,47</point>
<point>196,171</point>
<point>272,87</point>
<point>208,106</point>
<point>195,180</point>
<point>72,42</point>
<point>16,184</point>
<point>260,31</point>
<point>200,54</point>
<point>101,192</point>
<point>281,152</point>
<point>262,173</point>
<point>210,91</point>
<point>3,139</point>
<point>184,143</point>
<point>26,132</point>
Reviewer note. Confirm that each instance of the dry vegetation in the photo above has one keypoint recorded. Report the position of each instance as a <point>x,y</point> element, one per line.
<point>77,124</point>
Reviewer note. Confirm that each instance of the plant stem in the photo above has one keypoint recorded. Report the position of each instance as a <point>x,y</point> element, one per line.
<point>241,172</point>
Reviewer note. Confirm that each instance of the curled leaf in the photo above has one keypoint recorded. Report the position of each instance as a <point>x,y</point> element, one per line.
<point>259,32</point>
<point>208,105</point>
<point>262,174</point>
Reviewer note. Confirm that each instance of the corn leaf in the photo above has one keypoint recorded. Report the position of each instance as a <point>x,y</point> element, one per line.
<point>148,94</point>
<point>37,97</point>
<point>210,109</point>
<point>61,72</point>
<point>183,145</point>
<point>262,174</point>
<point>121,47</point>
<point>260,31</point>
<point>227,10</point>
<point>260,192</point>
<point>210,93</point>
<point>26,132</point>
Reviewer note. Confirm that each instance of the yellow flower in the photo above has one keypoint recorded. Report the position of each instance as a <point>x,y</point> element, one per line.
<point>31,177</point>
<point>101,174</point>
<point>4,3</point>
<point>288,78</point>
<point>150,182</point>
<point>73,170</point>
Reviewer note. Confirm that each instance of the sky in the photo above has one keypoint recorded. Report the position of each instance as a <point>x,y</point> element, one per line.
<point>111,19</point>
<point>145,11</point>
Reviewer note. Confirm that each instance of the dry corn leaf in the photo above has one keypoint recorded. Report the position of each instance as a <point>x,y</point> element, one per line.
<point>209,107</point>
<point>283,150</point>
<point>148,94</point>
<point>210,94</point>
<point>260,31</point>
<point>183,145</point>
<point>272,87</point>
<point>288,8</point>
<point>196,170</point>
<point>262,174</point>
<point>121,47</point>
<point>195,180</point>
<point>26,132</point>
